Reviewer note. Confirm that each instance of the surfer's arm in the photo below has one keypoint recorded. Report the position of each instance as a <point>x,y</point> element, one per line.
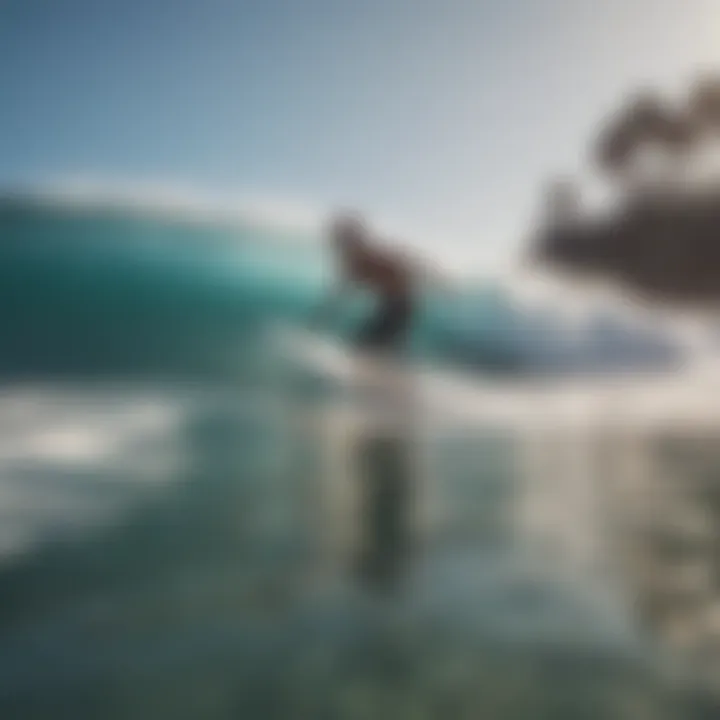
<point>421,273</point>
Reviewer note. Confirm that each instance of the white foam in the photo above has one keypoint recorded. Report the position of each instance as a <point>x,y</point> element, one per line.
<point>183,200</point>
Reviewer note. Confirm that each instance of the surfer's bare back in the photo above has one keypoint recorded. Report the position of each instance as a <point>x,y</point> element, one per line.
<point>390,275</point>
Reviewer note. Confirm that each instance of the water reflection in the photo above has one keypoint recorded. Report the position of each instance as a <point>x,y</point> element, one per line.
<point>470,570</point>
<point>385,464</point>
<point>669,540</point>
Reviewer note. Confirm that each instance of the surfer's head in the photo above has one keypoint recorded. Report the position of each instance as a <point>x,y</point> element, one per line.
<point>348,231</point>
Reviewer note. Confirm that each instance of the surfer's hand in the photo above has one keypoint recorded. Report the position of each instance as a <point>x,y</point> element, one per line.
<point>322,312</point>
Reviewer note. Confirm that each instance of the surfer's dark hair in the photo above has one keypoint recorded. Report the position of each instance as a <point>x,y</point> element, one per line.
<point>348,227</point>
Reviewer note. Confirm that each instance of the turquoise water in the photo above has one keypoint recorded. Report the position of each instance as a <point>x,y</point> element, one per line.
<point>173,536</point>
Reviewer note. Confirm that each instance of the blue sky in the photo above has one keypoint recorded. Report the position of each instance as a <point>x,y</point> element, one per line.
<point>445,114</point>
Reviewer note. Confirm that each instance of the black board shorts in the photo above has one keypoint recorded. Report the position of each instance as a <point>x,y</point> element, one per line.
<point>388,326</point>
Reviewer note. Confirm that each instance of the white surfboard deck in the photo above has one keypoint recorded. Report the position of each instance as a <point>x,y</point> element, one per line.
<point>384,388</point>
<point>322,354</point>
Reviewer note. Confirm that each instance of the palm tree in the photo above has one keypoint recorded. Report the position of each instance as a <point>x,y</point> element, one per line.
<point>646,123</point>
<point>704,106</point>
<point>703,113</point>
<point>663,246</point>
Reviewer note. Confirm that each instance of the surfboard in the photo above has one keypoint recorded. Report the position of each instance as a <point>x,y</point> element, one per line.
<point>314,352</point>
<point>382,390</point>
<point>317,353</point>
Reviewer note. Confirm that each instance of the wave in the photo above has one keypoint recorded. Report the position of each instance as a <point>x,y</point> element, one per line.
<point>97,282</point>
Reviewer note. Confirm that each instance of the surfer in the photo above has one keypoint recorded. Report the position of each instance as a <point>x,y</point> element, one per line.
<point>387,273</point>
<point>385,447</point>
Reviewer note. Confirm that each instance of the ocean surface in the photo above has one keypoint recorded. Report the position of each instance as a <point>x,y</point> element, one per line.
<point>193,524</point>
